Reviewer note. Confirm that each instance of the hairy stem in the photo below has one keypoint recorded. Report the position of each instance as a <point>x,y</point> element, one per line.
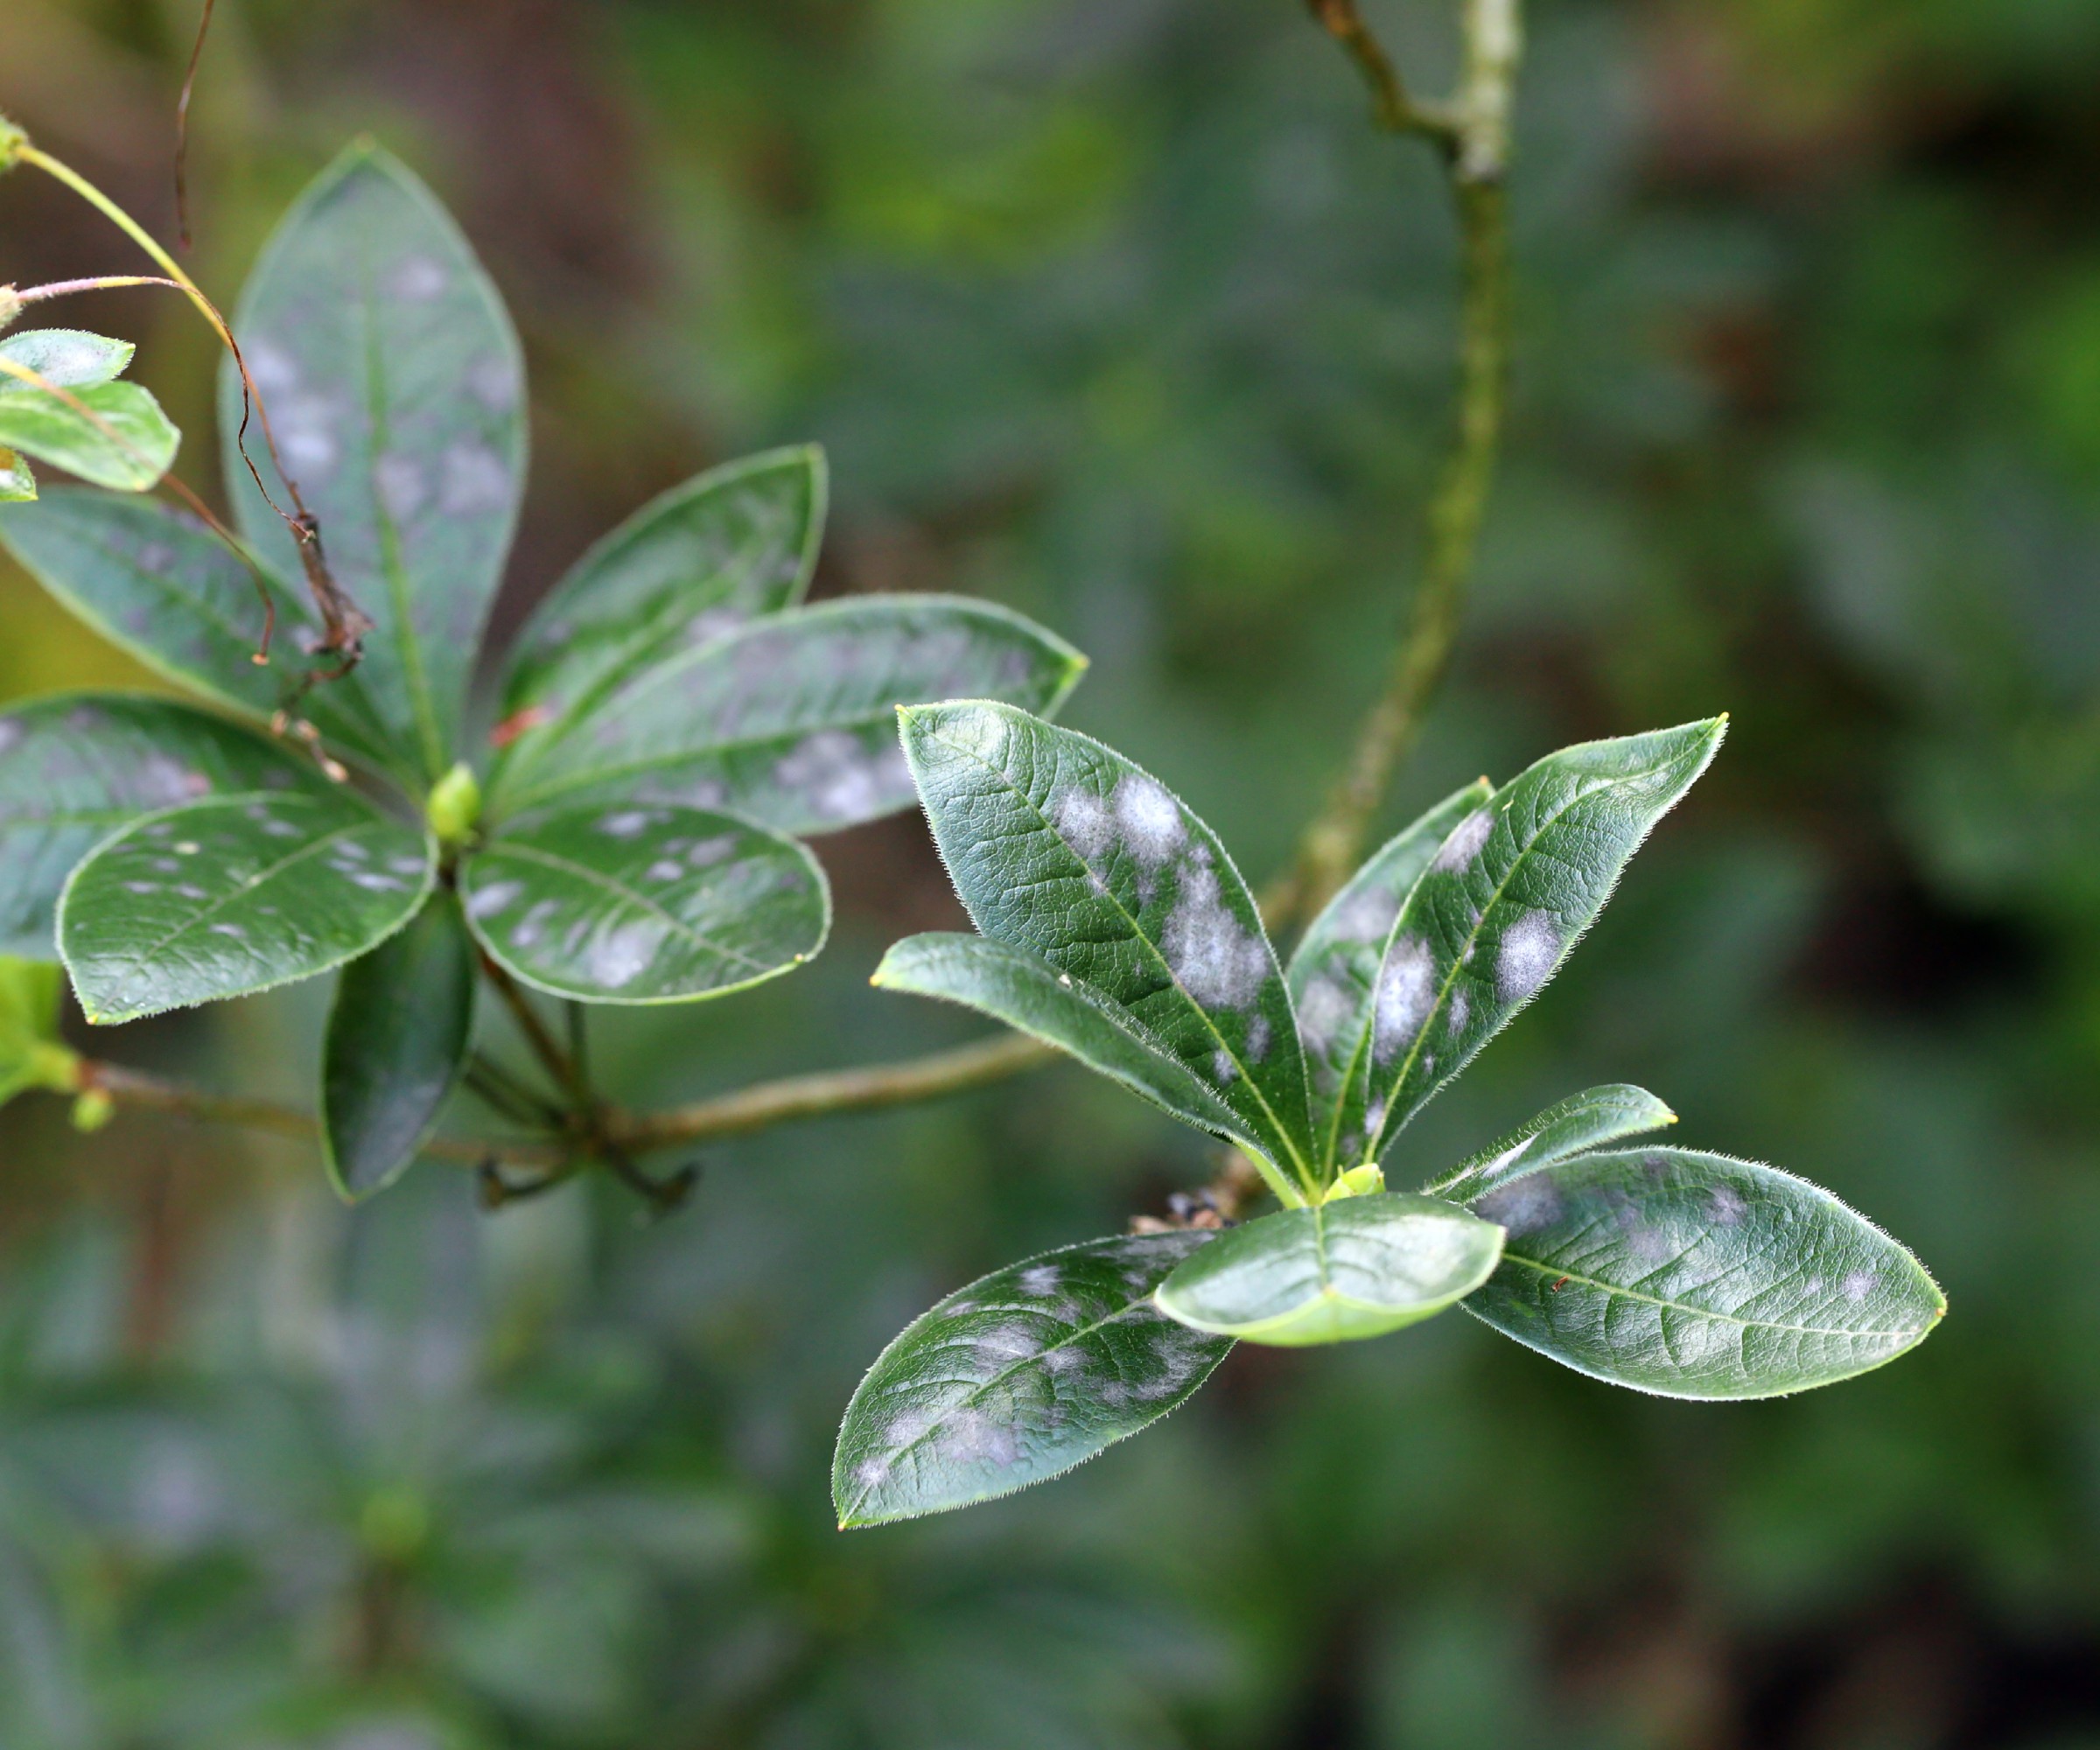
<point>1478,154</point>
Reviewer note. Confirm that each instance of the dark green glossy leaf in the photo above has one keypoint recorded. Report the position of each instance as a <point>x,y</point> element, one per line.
<point>1497,910</point>
<point>1355,1267</point>
<point>1696,1276</point>
<point>397,392</point>
<point>1017,1378</point>
<point>112,434</point>
<point>153,579</point>
<point>1333,975</point>
<point>737,541</point>
<point>234,895</point>
<point>1576,1125</point>
<point>1026,991</point>
<point>76,769</point>
<point>397,1045</point>
<point>628,902</point>
<point>791,721</point>
<point>1060,846</point>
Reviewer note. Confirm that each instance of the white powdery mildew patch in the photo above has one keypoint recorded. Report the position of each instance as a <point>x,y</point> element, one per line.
<point>1528,948</point>
<point>1218,962</point>
<point>1525,1205</point>
<point>1003,1344</point>
<point>1322,1012</point>
<point>375,881</point>
<point>1407,987</point>
<point>415,279</point>
<point>1257,1038</point>
<point>839,778</point>
<point>1152,828</point>
<point>628,823</point>
<point>1222,1068</point>
<point>1366,916</point>
<point>1465,843</point>
<point>977,1436</point>
<point>664,868</point>
<point>1082,821</point>
<point>1461,1010</point>
<point>472,479</point>
<point>1041,1281</point>
<point>533,925</point>
<point>1858,1283</point>
<point>1725,1206</point>
<point>620,956</point>
<point>403,487</point>
<point>485,902</point>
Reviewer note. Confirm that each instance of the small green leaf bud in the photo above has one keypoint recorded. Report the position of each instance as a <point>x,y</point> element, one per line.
<point>13,139</point>
<point>92,1110</point>
<point>454,806</point>
<point>1357,1181</point>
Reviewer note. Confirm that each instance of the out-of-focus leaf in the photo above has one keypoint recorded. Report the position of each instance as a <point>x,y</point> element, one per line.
<point>397,1042</point>
<point>397,392</point>
<point>1497,910</point>
<point>1356,1267</point>
<point>1579,1124</point>
<point>152,579</point>
<point>1017,1378</point>
<point>731,544</point>
<point>31,1054</point>
<point>112,434</point>
<point>1060,846</point>
<point>18,484</point>
<point>234,895</point>
<point>76,767</point>
<point>1692,1275</point>
<point>1026,991</point>
<point>791,721</point>
<point>1334,974</point>
<point>628,902</point>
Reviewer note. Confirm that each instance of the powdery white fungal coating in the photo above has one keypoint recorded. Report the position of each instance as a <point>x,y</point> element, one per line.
<point>1528,948</point>
<point>1366,915</point>
<point>1324,1008</point>
<point>485,902</point>
<point>1407,988</point>
<point>628,823</point>
<point>1222,1068</point>
<point>1523,1206</point>
<point>1082,821</point>
<point>472,481</point>
<point>839,778</point>
<point>620,956</point>
<point>403,484</point>
<point>1858,1283</point>
<point>1218,962</point>
<point>1464,844</point>
<point>1257,1038</point>
<point>1004,1345</point>
<point>1461,1010</point>
<point>1725,1206</point>
<point>665,869</point>
<point>416,279</point>
<point>1152,828</point>
<point>1041,1281</point>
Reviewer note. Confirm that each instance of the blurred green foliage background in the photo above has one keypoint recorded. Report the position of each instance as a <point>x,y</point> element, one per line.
<point>1118,311</point>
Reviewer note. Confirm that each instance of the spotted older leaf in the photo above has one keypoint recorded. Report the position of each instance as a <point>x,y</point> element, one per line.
<point>1355,1267</point>
<point>1025,990</point>
<point>1497,910</point>
<point>1334,974</point>
<point>1579,1124</point>
<point>396,1045</point>
<point>626,902</point>
<point>791,721</point>
<point>1060,846</point>
<point>76,769</point>
<point>66,358</point>
<point>397,392</point>
<point>1692,1275</point>
<point>112,434</point>
<point>236,894</point>
<point>735,542</point>
<point>153,579</point>
<point>1019,1377</point>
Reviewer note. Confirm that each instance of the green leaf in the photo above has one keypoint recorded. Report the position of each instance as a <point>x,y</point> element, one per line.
<point>626,902</point>
<point>155,581</point>
<point>396,390</point>
<point>1333,975</point>
<point>1495,913</point>
<point>396,1045</point>
<point>1692,1275</point>
<point>70,358</point>
<point>733,544</point>
<point>233,895</point>
<point>31,1053</point>
<point>1060,846</point>
<point>76,767</point>
<point>1017,1378</point>
<point>1356,1267</point>
<point>1577,1125</point>
<point>112,434</point>
<point>1025,990</point>
<point>791,720</point>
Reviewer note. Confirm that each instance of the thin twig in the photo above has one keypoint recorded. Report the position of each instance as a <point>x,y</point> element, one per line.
<point>182,126</point>
<point>557,1061</point>
<point>1392,108</point>
<point>65,288</point>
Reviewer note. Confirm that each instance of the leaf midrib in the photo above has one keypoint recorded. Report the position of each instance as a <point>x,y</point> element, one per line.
<point>1153,948</point>
<point>1603,1287</point>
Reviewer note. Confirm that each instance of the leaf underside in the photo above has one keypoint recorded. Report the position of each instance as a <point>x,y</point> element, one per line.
<point>1692,1275</point>
<point>1060,846</point>
<point>1356,1267</point>
<point>1019,1377</point>
<point>233,895</point>
<point>397,1045</point>
<point>628,902</point>
<point>76,768</point>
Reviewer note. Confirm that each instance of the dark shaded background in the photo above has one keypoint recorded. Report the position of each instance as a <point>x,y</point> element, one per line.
<point>1118,311</point>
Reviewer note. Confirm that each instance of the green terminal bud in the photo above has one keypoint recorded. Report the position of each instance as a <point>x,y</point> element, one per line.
<point>1358,1181</point>
<point>92,1110</point>
<point>31,1053</point>
<point>455,806</point>
<point>13,139</point>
